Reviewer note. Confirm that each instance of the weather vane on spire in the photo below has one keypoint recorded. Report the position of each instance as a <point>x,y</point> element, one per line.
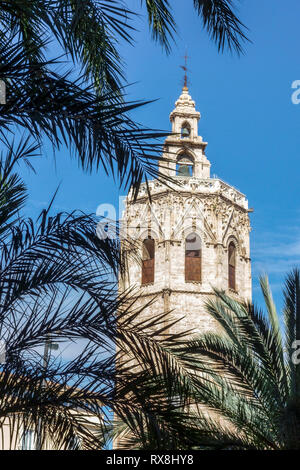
<point>184,67</point>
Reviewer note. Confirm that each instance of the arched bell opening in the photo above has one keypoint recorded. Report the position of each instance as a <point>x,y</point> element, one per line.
<point>185,131</point>
<point>185,166</point>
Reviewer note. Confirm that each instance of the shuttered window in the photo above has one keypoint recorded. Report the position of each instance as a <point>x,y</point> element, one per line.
<point>193,258</point>
<point>231,266</point>
<point>148,258</point>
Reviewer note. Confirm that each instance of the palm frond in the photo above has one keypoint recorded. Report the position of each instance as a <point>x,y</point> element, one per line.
<point>275,330</point>
<point>97,128</point>
<point>161,22</point>
<point>89,31</point>
<point>292,328</point>
<point>222,24</point>
<point>13,192</point>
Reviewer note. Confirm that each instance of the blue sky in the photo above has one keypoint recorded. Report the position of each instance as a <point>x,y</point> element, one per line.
<point>248,119</point>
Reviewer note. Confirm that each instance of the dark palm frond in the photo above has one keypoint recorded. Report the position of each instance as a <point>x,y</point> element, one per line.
<point>12,189</point>
<point>25,22</point>
<point>85,30</point>
<point>218,18</point>
<point>61,249</point>
<point>51,395</point>
<point>58,280</point>
<point>96,124</point>
<point>161,22</point>
<point>99,129</point>
<point>222,24</point>
<point>44,400</point>
<point>89,31</point>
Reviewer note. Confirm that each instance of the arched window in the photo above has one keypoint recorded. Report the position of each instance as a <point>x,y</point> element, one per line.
<point>231,265</point>
<point>185,131</point>
<point>185,165</point>
<point>148,261</point>
<point>193,257</point>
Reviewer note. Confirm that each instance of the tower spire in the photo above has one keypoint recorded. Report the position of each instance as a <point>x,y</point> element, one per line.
<point>184,67</point>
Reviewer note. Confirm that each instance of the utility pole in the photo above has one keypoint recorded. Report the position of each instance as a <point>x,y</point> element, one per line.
<point>2,92</point>
<point>48,346</point>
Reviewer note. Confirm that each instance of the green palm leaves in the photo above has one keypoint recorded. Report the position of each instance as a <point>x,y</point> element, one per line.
<point>235,389</point>
<point>252,377</point>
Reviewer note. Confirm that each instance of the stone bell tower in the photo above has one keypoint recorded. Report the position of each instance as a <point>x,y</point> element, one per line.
<point>193,235</point>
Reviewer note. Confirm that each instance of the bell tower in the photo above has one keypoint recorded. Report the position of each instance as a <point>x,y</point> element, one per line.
<point>185,148</point>
<point>192,236</point>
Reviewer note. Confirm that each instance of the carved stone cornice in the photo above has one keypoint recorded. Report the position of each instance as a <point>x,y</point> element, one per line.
<point>184,187</point>
<point>177,142</point>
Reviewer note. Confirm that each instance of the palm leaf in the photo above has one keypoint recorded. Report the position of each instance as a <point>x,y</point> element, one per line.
<point>222,24</point>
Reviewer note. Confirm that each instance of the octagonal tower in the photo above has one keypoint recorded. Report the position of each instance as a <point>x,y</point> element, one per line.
<point>193,235</point>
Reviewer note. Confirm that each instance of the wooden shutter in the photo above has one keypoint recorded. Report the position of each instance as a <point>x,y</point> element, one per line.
<point>193,257</point>
<point>192,268</point>
<point>147,271</point>
<point>231,277</point>
<point>148,261</point>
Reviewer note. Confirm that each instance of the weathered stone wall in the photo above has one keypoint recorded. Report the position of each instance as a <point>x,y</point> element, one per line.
<point>169,219</point>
